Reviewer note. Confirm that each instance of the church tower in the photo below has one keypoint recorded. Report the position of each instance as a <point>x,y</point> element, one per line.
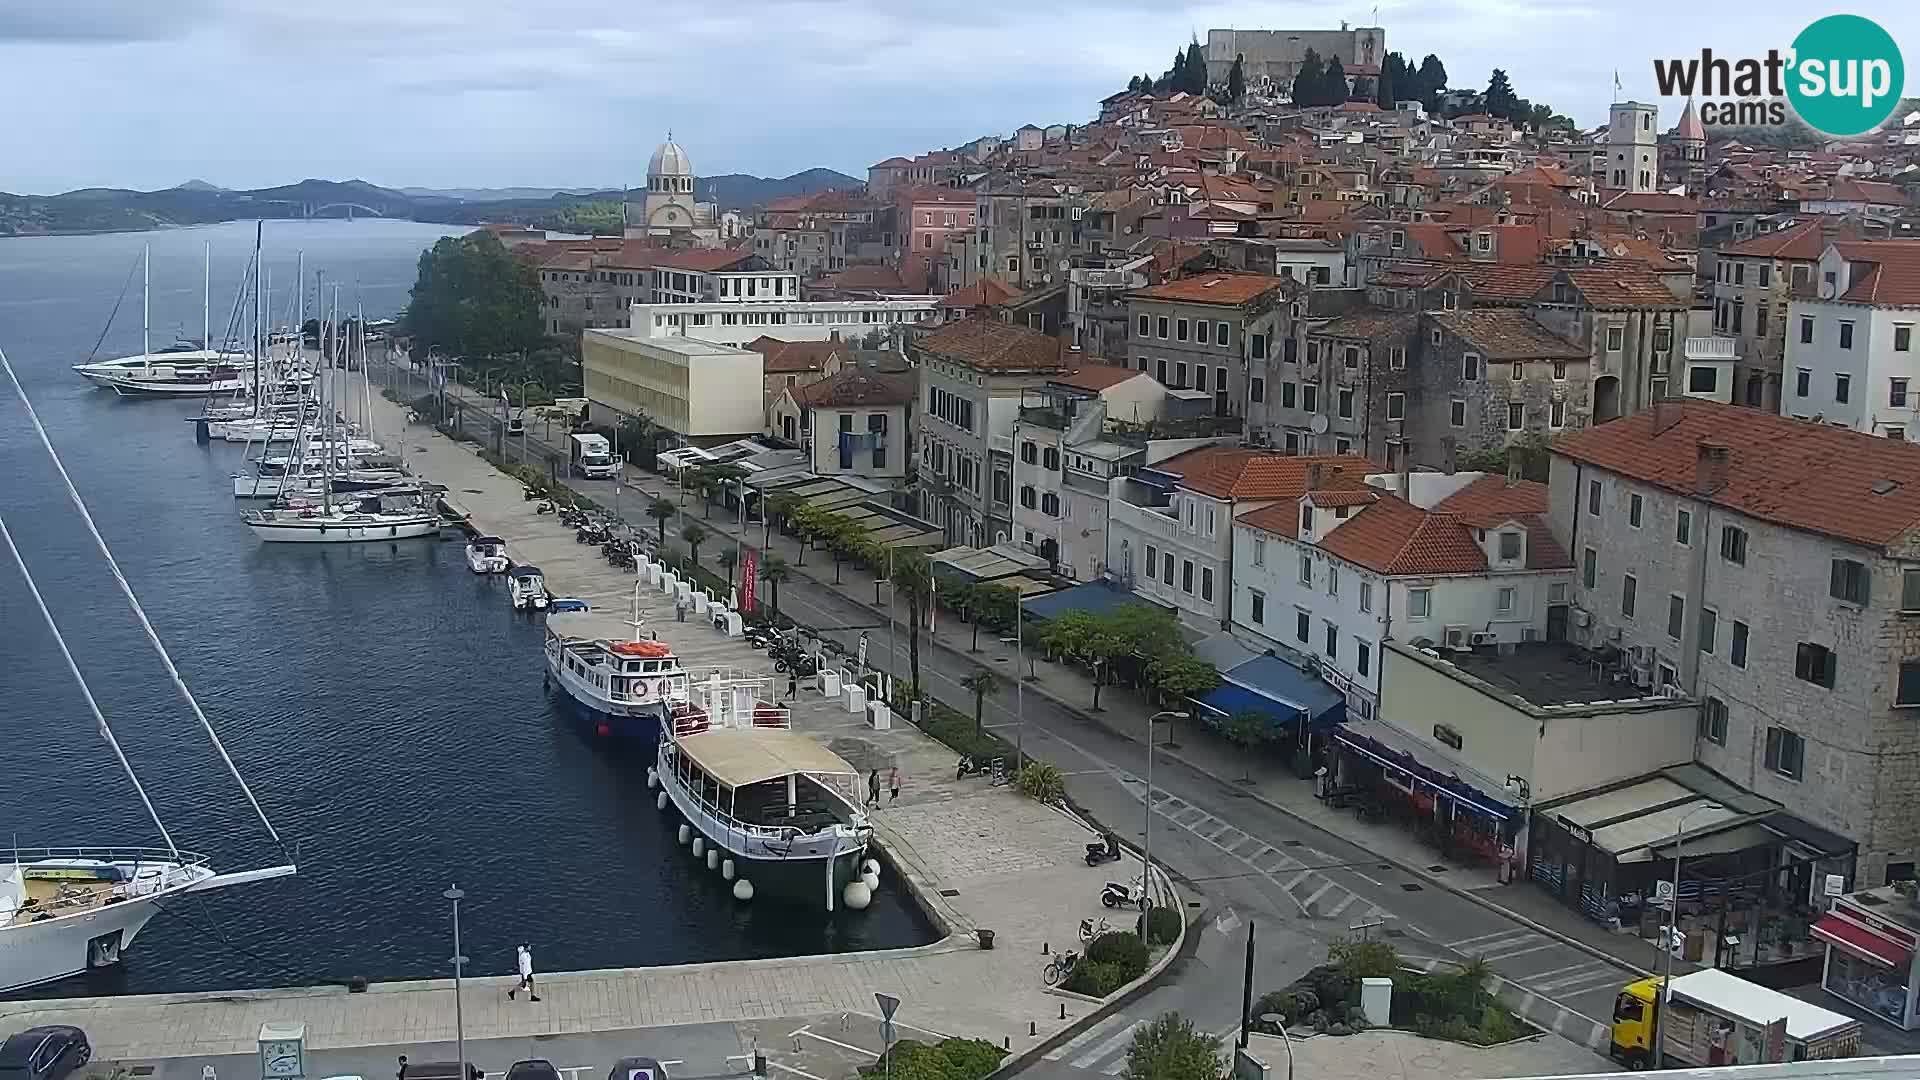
<point>1631,149</point>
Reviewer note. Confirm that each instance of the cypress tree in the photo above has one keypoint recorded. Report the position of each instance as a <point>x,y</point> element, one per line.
<point>1306,82</point>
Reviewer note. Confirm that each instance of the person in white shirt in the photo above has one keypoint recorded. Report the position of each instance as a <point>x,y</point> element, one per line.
<point>525,959</point>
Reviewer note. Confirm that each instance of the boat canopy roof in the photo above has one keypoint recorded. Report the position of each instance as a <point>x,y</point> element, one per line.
<point>489,541</point>
<point>740,756</point>
<point>526,570</point>
<point>590,625</point>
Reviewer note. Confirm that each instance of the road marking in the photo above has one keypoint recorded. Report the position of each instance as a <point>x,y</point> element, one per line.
<point>1113,1069</point>
<point>1087,1060</point>
<point>1342,905</point>
<point>1488,939</point>
<point>791,1069</point>
<point>1083,1038</point>
<point>838,1043</point>
<point>1579,973</point>
<point>1511,953</point>
<point>1295,880</point>
<point>1324,888</point>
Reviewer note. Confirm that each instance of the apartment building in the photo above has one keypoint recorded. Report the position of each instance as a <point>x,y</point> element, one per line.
<point>852,423</point>
<point>1851,355</point>
<point>1075,435</point>
<point>1770,569</point>
<point>1753,282</point>
<point>1467,561</point>
<point>972,376</point>
<point>787,320</point>
<point>1171,529</point>
<point>1025,233</point>
<point>701,391</point>
<point>1203,333</point>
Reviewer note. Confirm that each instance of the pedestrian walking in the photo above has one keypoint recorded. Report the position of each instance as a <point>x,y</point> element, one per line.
<point>525,962</point>
<point>401,1074</point>
<point>873,788</point>
<point>893,785</point>
<point>793,685</point>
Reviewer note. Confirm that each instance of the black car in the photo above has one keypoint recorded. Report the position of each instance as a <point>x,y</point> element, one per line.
<point>52,1052</point>
<point>533,1069</point>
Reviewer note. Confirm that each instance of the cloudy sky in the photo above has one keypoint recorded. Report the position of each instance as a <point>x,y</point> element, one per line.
<point>247,93</point>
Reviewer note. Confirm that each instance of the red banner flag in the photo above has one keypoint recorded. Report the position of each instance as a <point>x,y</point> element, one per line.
<point>749,579</point>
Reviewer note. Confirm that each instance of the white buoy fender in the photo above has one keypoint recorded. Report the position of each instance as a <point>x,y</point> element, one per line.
<point>726,869</point>
<point>660,801</point>
<point>857,894</point>
<point>870,868</point>
<point>713,858</point>
<point>699,846</point>
<point>686,831</point>
<point>743,889</point>
<point>652,780</point>
<point>871,881</point>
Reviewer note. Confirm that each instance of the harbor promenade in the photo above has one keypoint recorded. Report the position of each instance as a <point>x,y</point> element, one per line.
<point>979,857</point>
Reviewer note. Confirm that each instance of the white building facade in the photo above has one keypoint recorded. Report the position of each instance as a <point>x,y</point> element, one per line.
<point>736,323</point>
<point>1852,360</point>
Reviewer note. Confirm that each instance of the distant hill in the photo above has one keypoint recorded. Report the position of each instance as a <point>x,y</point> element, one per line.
<point>737,190</point>
<point>197,185</point>
<point>493,194</point>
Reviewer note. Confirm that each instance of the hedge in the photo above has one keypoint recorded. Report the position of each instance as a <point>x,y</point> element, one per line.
<point>949,1059</point>
<point>1163,925</point>
<point>1122,947</point>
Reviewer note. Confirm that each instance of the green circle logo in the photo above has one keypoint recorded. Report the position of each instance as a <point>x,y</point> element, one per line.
<point>1845,75</point>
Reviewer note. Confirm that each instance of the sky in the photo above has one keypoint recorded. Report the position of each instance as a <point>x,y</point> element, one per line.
<point>473,93</point>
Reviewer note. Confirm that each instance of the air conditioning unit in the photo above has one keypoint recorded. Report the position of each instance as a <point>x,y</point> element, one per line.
<point>1582,617</point>
<point>1456,637</point>
<point>1643,656</point>
<point>1642,676</point>
<point>1483,637</point>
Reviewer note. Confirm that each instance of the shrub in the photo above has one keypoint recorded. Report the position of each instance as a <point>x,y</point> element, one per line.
<point>1364,959</point>
<point>1121,947</point>
<point>1163,926</point>
<point>1096,980</point>
<point>1170,1048</point>
<point>1042,782</point>
<point>956,730</point>
<point>949,1059</point>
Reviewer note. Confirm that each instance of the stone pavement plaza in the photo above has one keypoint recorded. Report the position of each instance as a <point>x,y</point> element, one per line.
<point>980,856</point>
<point>1383,1054</point>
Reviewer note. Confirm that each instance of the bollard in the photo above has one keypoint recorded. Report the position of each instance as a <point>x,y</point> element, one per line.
<point>1006,1042</point>
<point>1063,1010</point>
<point>759,1063</point>
<point>1043,948</point>
<point>1032,1028</point>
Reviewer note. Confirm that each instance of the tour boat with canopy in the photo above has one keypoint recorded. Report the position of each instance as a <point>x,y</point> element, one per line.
<point>618,684</point>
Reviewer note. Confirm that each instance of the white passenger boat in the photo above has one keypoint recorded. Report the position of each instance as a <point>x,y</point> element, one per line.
<point>616,683</point>
<point>487,555</point>
<point>527,588</point>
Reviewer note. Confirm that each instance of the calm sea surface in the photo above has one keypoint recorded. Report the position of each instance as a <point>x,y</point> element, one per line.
<point>379,698</point>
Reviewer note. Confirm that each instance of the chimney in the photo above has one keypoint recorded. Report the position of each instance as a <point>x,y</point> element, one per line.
<point>1710,467</point>
<point>1313,476</point>
<point>1666,413</point>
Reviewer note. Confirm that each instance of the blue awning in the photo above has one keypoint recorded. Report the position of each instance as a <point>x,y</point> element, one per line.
<point>1269,686</point>
<point>1092,597</point>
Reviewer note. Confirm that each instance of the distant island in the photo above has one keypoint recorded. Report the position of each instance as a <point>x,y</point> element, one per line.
<point>197,202</point>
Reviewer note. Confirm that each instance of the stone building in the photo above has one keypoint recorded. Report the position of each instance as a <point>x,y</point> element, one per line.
<point>669,208</point>
<point>1753,281</point>
<point>1275,55</point>
<point>1770,569</point>
<point>1203,332</point>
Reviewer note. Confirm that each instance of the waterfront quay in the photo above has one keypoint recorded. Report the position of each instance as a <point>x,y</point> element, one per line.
<point>976,857</point>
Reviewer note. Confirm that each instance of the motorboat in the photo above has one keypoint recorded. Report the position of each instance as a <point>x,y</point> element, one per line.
<point>369,517</point>
<point>618,684</point>
<point>780,811</point>
<point>487,555</point>
<point>527,588</point>
<point>176,380</point>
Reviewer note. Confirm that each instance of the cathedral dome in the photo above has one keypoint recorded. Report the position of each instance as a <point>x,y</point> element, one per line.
<point>670,160</point>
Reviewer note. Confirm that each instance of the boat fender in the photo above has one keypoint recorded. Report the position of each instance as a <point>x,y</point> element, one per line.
<point>713,858</point>
<point>726,869</point>
<point>699,846</point>
<point>653,781</point>
<point>686,832</point>
<point>743,889</point>
<point>660,802</point>
<point>870,868</point>
<point>871,881</point>
<point>857,894</point>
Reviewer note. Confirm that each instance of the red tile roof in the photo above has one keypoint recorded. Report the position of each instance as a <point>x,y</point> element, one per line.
<point>1507,334</point>
<point>795,357</point>
<point>1871,192</point>
<point>1627,285</point>
<point>857,387</point>
<point>1212,288</point>
<point>1226,472</point>
<point>704,260</point>
<point>1893,280</point>
<point>987,292</point>
<point>1804,240</point>
<point>991,345</point>
<point>1813,477</point>
<point>1393,536</point>
<point>1492,501</point>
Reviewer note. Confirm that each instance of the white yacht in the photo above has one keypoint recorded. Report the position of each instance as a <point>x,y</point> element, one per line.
<point>369,516</point>
<point>527,588</point>
<point>487,555</point>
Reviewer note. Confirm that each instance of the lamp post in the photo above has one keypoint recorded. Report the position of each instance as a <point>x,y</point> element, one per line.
<point>1146,846</point>
<point>1666,942</point>
<point>454,894</point>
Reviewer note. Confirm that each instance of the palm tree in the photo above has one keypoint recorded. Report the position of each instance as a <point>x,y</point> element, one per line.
<point>729,558</point>
<point>660,510</point>
<point>693,534</point>
<point>913,578</point>
<point>983,685</point>
<point>774,571</point>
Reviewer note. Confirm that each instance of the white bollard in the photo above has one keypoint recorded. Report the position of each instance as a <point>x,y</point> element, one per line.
<point>660,802</point>
<point>686,831</point>
<point>653,781</point>
<point>743,889</point>
<point>726,869</point>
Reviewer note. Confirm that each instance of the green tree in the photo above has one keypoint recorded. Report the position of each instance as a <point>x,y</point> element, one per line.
<point>1196,67</point>
<point>1334,83</point>
<point>728,558</point>
<point>1171,1048</point>
<point>660,510</point>
<point>1179,676</point>
<point>1308,80</point>
<point>773,571</point>
<point>1133,85</point>
<point>987,601</point>
<point>1432,82</point>
<point>982,685</point>
<point>1247,730</point>
<point>694,535</point>
<point>1237,79</point>
<point>1383,87</point>
<point>472,297</point>
<point>1500,99</point>
<point>913,581</point>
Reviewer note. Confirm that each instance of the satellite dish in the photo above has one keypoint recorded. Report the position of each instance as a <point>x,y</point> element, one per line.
<point>1318,424</point>
<point>1826,290</point>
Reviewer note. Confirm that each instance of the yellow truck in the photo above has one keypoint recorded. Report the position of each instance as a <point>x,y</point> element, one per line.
<point>1713,1018</point>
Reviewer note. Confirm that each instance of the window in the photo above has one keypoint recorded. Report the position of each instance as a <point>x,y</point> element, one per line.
<point>1222,334</point>
<point>1556,413</point>
<point>1028,497</point>
<point>1257,606</point>
<point>1713,721</point>
<point>1179,329</point>
<point>1050,459</point>
<point>1802,382</point>
<point>1309,397</point>
<point>1786,753</point>
<point>1633,510</point>
<point>1814,663</point>
<point>1257,390</point>
<point>1907,691</point>
<point>1733,545</point>
<point>1469,366</point>
<point>1910,590</point>
<point>1013,267</point>
<point>1503,600</point>
<point>1806,329</point>
<point>1419,603</point>
<point>1457,412</point>
<point>1897,393</point>
<point>1397,358</point>
<point>1516,415</point>
<point>1396,406</point>
<point>1676,616</point>
<point>1258,346</point>
<point>1333,641</point>
<point>1206,583</point>
<point>1050,504</point>
<point>1896,433</point>
<point>1306,569</point>
<point>1683,528</point>
<point>1616,338</point>
<point>1333,580</point>
<point>1287,394</point>
<point>1846,335</point>
<point>1302,626</point>
<point>1166,568</point>
<point>1144,326</point>
<point>1593,498</point>
<point>1765,276</point>
<point>1703,379</point>
<point>1259,552</point>
<point>1589,568</point>
<point>1737,650</point>
<point>1629,586</point>
<point>1362,656</point>
<point>1842,388</point>
<point>1849,581</point>
<point>1343,446</point>
<point>1509,545</point>
<point>1709,629</point>
<point>1345,399</point>
<point>1160,324</point>
<point>1902,339</point>
<point>1366,596</point>
<point>1351,357</point>
<point>1153,560</point>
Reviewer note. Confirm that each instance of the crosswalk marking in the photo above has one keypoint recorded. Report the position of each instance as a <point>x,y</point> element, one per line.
<point>1118,1040</point>
<point>1325,887</point>
<point>1083,1038</point>
<point>1474,944</point>
<point>1593,971</point>
<point>1509,954</point>
<point>1342,905</point>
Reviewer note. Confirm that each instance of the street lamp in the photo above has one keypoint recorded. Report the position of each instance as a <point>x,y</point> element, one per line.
<point>1673,926</point>
<point>454,894</point>
<point>1146,847</point>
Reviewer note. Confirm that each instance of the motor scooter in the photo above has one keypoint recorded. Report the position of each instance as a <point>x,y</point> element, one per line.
<point>1104,851</point>
<point>1119,894</point>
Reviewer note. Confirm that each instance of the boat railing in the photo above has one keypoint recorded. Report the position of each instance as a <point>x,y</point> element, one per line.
<point>787,833</point>
<point>10,856</point>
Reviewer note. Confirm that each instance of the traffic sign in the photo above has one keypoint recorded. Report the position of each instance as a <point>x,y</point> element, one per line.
<point>888,1005</point>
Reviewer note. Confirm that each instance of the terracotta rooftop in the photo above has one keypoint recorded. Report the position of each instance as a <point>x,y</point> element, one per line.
<point>1226,472</point>
<point>1871,192</point>
<point>1623,285</point>
<point>1804,240</point>
<point>704,260</point>
<point>1507,334</point>
<point>795,357</point>
<point>991,345</point>
<point>987,292</point>
<point>1211,288</point>
<point>1393,536</point>
<point>1492,501</point>
<point>1370,325</point>
<point>1813,477</point>
<point>1893,279</point>
<point>854,386</point>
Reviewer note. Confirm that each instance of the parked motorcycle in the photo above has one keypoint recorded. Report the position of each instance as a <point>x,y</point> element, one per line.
<point>1118,894</point>
<point>1104,851</point>
<point>758,637</point>
<point>973,766</point>
<point>544,508</point>
<point>528,494</point>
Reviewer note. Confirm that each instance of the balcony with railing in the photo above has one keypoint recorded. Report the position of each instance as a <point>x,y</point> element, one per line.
<point>1129,433</point>
<point>1149,521</point>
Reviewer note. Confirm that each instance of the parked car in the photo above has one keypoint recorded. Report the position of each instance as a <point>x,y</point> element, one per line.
<point>637,1068</point>
<point>53,1052</point>
<point>533,1069</point>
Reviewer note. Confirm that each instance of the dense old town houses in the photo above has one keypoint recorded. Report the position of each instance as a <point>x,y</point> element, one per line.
<point>855,422</point>
<point>1172,529</point>
<point>1468,561</point>
<point>1753,281</point>
<point>1629,322</point>
<point>1769,569</point>
<point>1487,379</point>
<point>1205,333</point>
<point>1851,353</point>
<point>972,376</point>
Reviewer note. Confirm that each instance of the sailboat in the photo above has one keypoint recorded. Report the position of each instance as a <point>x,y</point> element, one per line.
<point>67,910</point>
<point>180,371</point>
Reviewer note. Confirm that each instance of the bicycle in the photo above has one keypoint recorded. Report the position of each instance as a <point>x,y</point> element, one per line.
<point>1060,967</point>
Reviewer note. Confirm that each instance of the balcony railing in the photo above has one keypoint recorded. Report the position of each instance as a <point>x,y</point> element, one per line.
<point>1198,427</point>
<point>1045,417</point>
<point>1148,520</point>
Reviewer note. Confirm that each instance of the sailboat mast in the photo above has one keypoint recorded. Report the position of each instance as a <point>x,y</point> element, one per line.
<point>259,273</point>
<point>146,304</point>
<point>206,299</point>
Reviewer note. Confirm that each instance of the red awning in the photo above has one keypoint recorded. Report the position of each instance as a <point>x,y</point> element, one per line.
<point>1858,939</point>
